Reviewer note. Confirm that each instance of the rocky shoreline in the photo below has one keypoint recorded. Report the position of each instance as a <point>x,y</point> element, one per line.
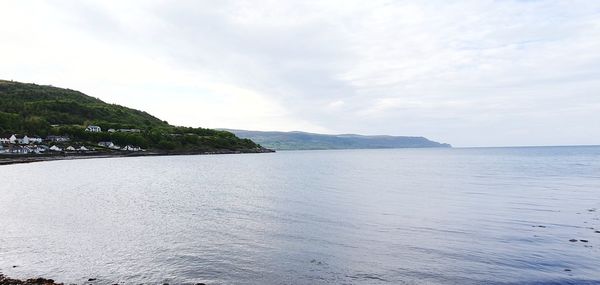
<point>16,159</point>
<point>33,281</point>
<point>4,280</point>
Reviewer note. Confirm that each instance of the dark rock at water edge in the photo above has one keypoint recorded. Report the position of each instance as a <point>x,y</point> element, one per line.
<point>34,281</point>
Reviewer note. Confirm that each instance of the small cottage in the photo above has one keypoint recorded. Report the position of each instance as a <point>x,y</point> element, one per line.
<point>35,140</point>
<point>110,145</point>
<point>55,148</point>
<point>93,129</point>
<point>57,138</point>
<point>23,140</point>
<point>131,148</point>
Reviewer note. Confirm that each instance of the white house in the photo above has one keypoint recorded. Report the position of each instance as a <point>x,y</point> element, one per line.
<point>93,129</point>
<point>70,148</point>
<point>4,140</point>
<point>55,148</point>
<point>111,130</point>
<point>35,140</point>
<point>83,148</point>
<point>106,144</point>
<point>109,145</point>
<point>57,138</point>
<point>12,139</point>
<point>42,148</point>
<point>23,140</point>
<point>19,150</point>
<point>131,148</point>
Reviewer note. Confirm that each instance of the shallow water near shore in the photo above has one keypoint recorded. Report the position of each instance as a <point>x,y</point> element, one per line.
<point>403,216</point>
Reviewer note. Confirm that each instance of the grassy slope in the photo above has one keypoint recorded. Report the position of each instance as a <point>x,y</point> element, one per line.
<point>33,109</point>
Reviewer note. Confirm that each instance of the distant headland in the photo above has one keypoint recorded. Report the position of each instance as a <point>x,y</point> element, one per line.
<point>312,141</point>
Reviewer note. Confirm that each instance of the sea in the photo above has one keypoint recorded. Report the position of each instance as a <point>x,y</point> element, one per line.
<point>525,215</point>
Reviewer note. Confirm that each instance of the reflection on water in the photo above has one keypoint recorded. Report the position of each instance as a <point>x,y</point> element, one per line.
<point>436,216</point>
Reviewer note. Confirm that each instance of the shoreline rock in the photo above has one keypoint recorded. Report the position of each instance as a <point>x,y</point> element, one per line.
<point>33,281</point>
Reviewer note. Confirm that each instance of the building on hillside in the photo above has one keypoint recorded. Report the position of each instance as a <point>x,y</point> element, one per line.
<point>58,138</point>
<point>110,145</point>
<point>24,140</point>
<point>17,149</point>
<point>93,129</point>
<point>111,130</point>
<point>55,148</point>
<point>35,149</point>
<point>5,140</point>
<point>131,148</point>
<point>12,139</point>
<point>42,148</point>
<point>70,148</point>
<point>83,148</point>
<point>35,140</point>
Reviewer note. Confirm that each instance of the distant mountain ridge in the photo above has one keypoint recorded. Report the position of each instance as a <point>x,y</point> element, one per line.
<point>311,141</point>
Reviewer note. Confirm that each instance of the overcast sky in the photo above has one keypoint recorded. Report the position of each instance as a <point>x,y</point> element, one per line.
<point>469,73</point>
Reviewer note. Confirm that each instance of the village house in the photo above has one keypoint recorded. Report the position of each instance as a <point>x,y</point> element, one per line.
<point>34,149</point>
<point>42,148</point>
<point>18,139</point>
<point>58,138</point>
<point>70,148</point>
<point>110,145</point>
<point>111,130</point>
<point>23,140</point>
<point>131,148</point>
<point>17,149</point>
<point>83,148</point>
<point>35,140</point>
<point>93,129</point>
<point>55,148</point>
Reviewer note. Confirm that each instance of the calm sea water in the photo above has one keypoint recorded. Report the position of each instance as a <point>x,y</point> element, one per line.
<point>406,216</point>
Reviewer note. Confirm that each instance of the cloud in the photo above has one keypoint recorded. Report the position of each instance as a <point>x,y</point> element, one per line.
<point>464,72</point>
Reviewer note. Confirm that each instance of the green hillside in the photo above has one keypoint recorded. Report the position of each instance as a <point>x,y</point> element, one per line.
<point>37,110</point>
<point>310,141</point>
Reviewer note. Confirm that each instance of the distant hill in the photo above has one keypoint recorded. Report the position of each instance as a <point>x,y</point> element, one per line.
<point>39,110</point>
<point>311,141</point>
<point>22,104</point>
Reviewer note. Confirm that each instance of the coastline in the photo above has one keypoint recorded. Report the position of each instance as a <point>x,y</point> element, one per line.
<point>4,280</point>
<point>19,159</point>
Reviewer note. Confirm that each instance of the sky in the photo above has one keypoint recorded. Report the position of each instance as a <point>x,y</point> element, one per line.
<point>468,73</point>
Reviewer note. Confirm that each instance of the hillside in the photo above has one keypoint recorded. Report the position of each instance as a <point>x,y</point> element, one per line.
<point>308,141</point>
<point>37,110</point>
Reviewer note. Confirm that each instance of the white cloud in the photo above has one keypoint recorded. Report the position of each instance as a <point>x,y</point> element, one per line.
<point>467,72</point>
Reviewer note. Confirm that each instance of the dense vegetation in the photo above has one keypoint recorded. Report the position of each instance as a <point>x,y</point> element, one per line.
<point>37,110</point>
<point>306,141</point>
